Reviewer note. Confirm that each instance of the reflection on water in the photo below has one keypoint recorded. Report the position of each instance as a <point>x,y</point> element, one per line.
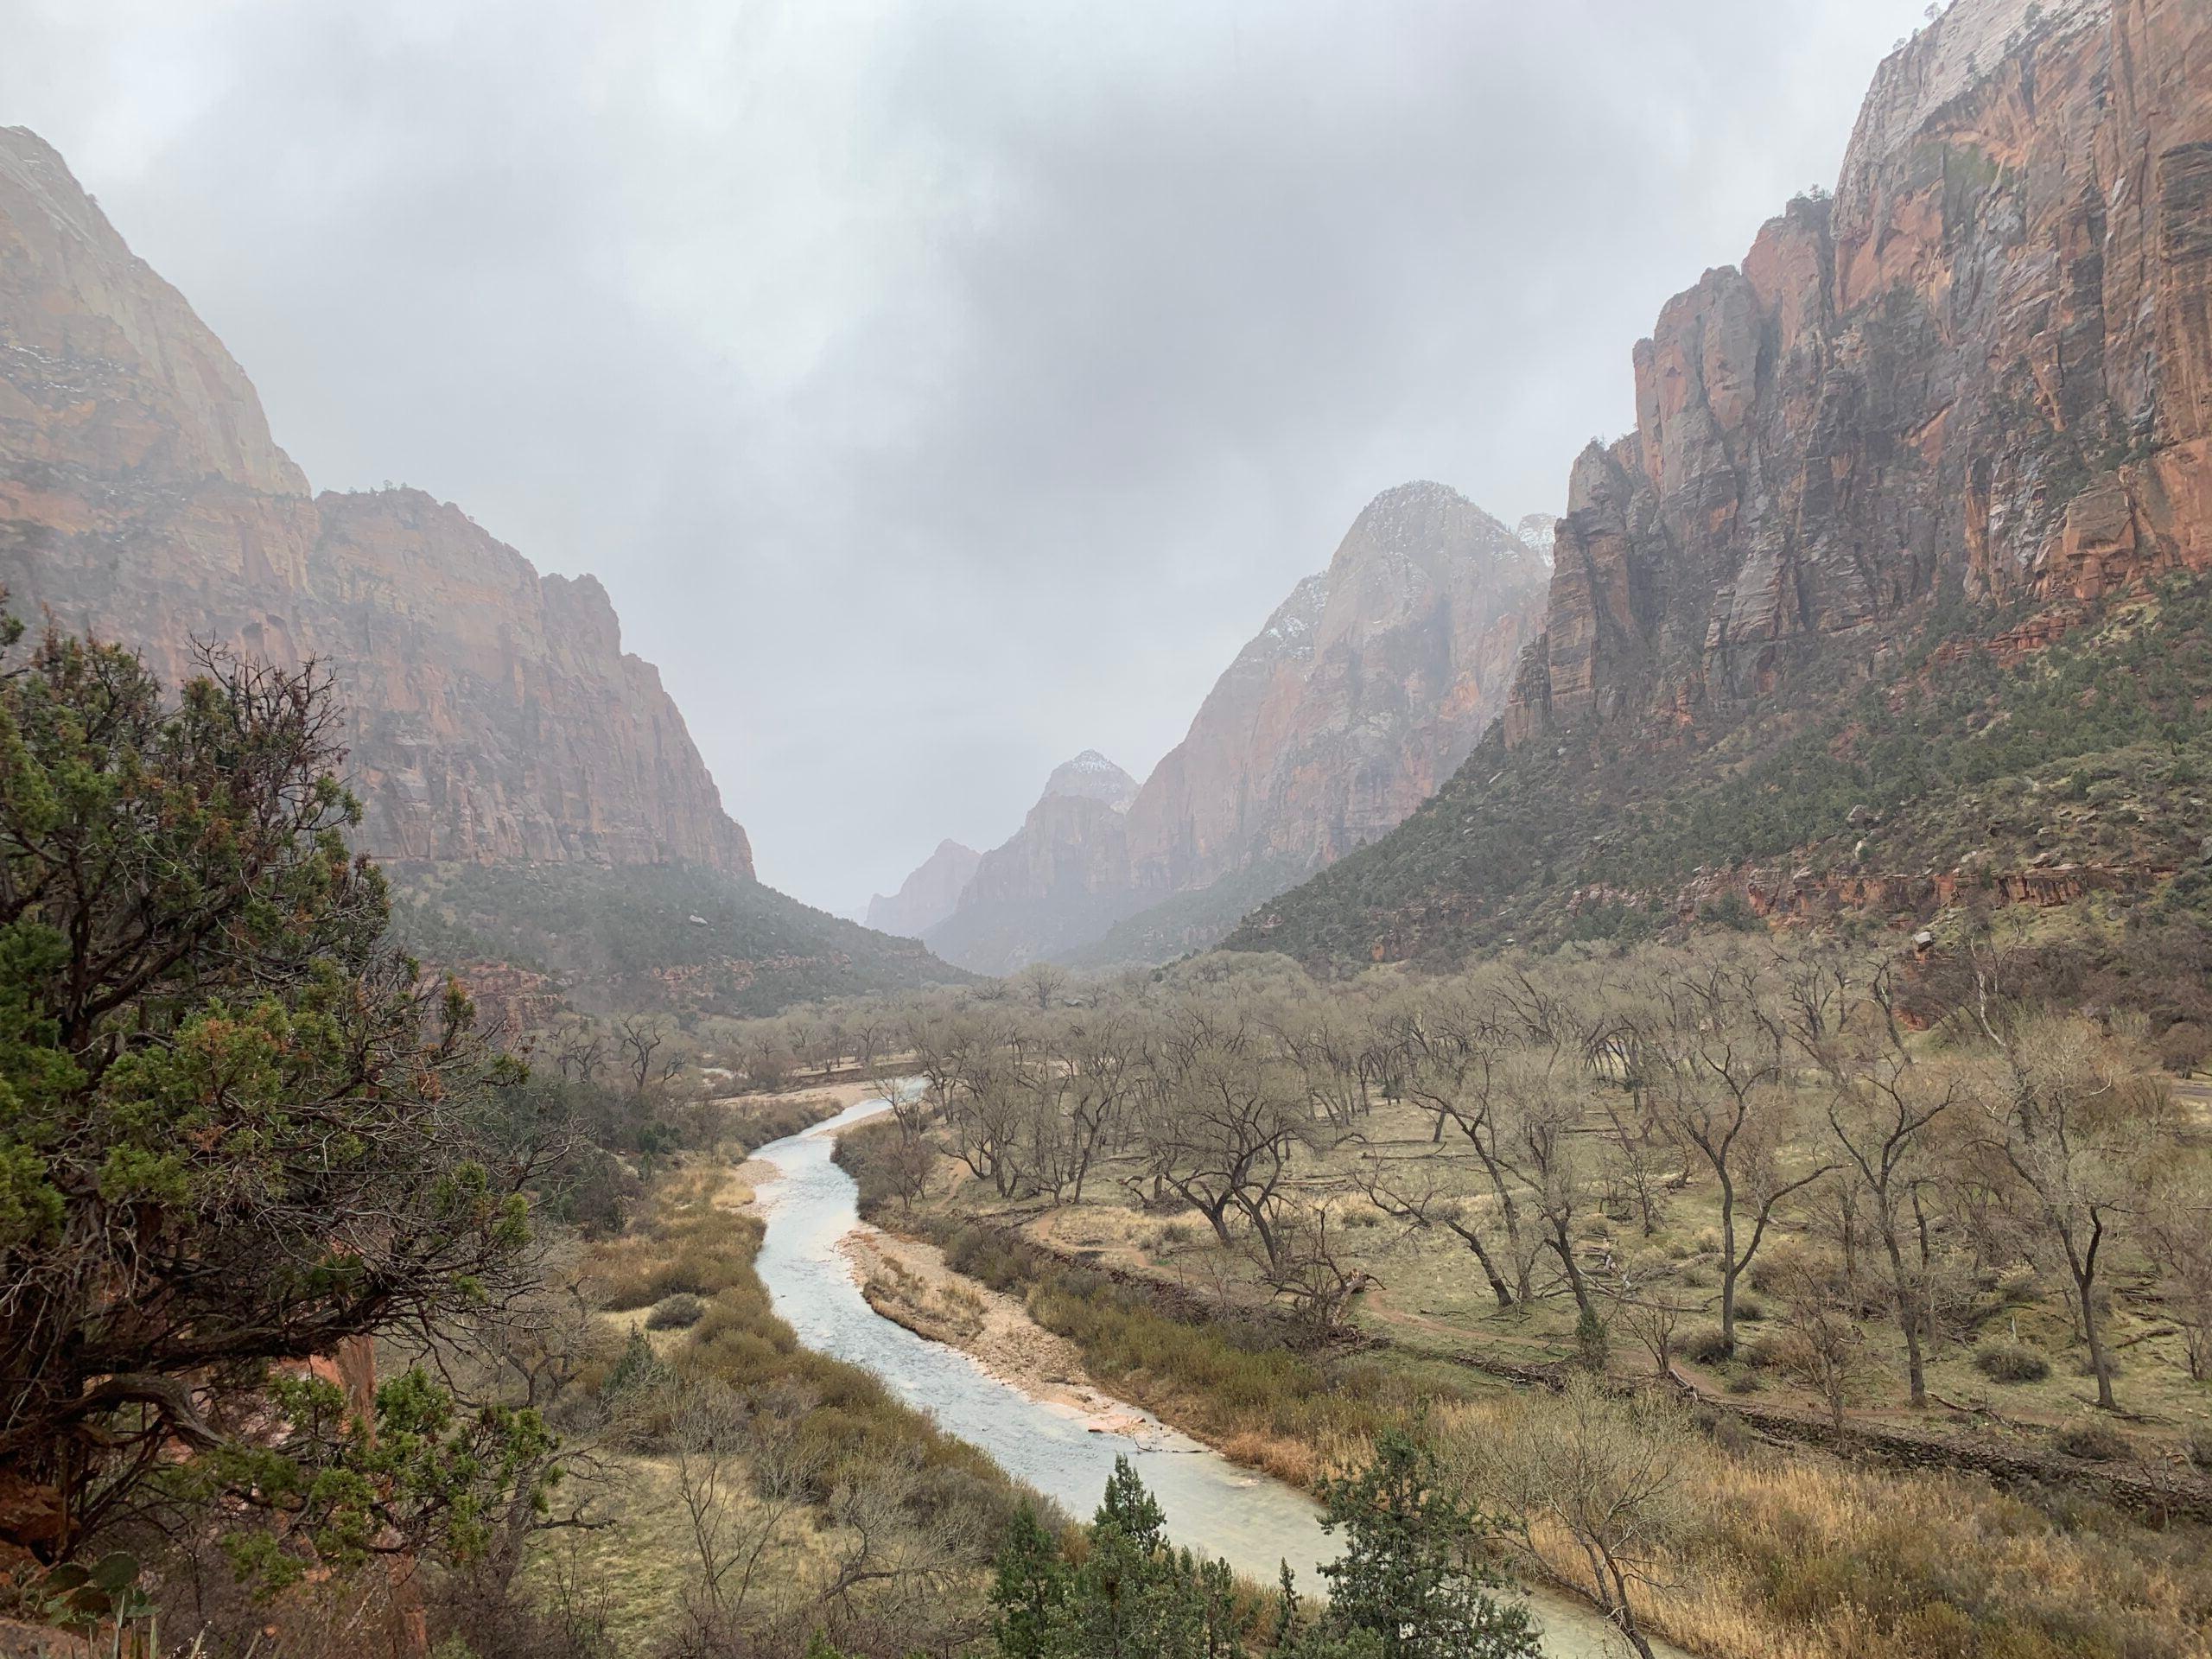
<point>1212,1505</point>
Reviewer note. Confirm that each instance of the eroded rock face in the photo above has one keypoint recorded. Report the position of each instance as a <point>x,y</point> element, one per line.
<point>492,712</point>
<point>927,896</point>
<point>1987,361</point>
<point>1364,691</point>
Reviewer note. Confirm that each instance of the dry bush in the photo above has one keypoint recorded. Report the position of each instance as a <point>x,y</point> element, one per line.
<point>2010,1362</point>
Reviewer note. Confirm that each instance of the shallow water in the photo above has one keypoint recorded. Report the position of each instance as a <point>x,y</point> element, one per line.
<point>1253,1522</point>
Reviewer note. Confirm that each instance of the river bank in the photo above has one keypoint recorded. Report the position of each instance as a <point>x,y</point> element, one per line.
<point>1063,1437</point>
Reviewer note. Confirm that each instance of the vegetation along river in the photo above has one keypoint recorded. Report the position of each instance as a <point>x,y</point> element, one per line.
<point>1213,1505</point>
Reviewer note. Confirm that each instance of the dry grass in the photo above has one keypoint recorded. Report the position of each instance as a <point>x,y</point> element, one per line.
<point>691,1240</point>
<point>1791,1556</point>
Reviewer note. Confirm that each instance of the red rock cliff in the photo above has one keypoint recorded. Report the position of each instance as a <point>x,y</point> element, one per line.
<point>493,713</point>
<point>1986,362</point>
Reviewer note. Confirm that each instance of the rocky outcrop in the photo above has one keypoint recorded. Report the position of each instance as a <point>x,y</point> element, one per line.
<point>493,714</point>
<point>929,895</point>
<point>1985,366</point>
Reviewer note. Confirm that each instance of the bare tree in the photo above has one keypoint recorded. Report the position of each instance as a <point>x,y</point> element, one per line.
<point>1823,1347</point>
<point>638,1037</point>
<point>1408,1193</point>
<point>2073,1119</point>
<point>740,1478</point>
<point>1605,1472</point>
<point>1308,1268</point>
<point>1223,1128</point>
<point>2176,1231</point>
<point>1882,1109</point>
<point>1722,1089</point>
<point>1649,1302</point>
<point>1041,984</point>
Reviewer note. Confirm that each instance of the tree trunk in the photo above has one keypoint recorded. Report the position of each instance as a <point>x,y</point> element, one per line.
<point>1908,1315</point>
<point>1498,1287</point>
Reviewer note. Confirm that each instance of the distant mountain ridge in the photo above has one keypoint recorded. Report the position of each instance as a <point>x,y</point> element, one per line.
<point>926,897</point>
<point>1356,699</point>
<point>1057,881</point>
<point>493,718</point>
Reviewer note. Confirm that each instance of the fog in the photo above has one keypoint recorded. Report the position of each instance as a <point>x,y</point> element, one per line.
<point>940,388</point>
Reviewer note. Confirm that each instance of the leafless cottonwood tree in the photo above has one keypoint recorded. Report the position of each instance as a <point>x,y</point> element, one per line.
<point>2074,1121</point>
<point>1882,1108</point>
<point>1721,1086</point>
<point>1605,1472</point>
<point>1408,1192</point>
<point>1222,1127</point>
<point>638,1038</point>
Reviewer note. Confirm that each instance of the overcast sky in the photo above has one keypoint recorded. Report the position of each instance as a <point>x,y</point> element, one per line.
<point>940,387</point>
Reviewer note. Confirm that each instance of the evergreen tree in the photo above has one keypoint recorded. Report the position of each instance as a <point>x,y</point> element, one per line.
<point>1030,1585</point>
<point>1409,1575</point>
<point>237,1128</point>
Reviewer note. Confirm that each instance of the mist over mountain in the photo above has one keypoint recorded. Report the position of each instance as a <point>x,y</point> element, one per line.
<point>492,718</point>
<point>1364,690</point>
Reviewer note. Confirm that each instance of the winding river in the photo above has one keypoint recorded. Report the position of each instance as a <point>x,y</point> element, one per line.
<point>1251,1520</point>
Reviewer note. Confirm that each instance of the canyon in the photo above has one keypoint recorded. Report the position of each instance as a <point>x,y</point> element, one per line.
<point>1364,689</point>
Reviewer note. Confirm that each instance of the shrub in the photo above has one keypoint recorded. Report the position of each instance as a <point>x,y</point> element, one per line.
<point>2200,1447</point>
<point>1590,1341</point>
<point>2184,1047</point>
<point>1704,1346</point>
<point>1751,1309</point>
<point>2010,1362</point>
<point>677,1312</point>
<point>2093,1441</point>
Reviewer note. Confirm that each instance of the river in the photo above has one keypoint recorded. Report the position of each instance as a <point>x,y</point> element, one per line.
<point>1212,1505</point>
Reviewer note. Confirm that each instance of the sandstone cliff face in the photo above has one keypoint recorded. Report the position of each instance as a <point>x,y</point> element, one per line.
<point>1985,362</point>
<point>927,896</point>
<point>1364,691</point>
<point>493,715</point>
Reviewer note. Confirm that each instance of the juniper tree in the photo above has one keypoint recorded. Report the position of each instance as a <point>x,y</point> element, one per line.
<point>236,1127</point>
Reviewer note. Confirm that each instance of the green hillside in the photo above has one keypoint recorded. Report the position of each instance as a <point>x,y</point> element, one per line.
<point>1956,771</point>
<point>627,939</point>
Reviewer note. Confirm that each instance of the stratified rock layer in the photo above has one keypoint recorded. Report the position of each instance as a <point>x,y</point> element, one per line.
<point>1986,363</point>
<point>494,716</point>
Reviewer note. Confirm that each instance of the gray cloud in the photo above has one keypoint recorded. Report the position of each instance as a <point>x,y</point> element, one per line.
<point>939,387</point>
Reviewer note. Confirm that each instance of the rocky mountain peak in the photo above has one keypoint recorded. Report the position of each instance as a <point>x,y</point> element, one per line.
<point>1422,522</point>
<point>1091,777</point>
<point>927,896</point>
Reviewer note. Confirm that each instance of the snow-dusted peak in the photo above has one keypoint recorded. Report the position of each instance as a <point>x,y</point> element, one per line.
<point>1966,41</point>
<point>1535,531</point>
<point>1092,776</point>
